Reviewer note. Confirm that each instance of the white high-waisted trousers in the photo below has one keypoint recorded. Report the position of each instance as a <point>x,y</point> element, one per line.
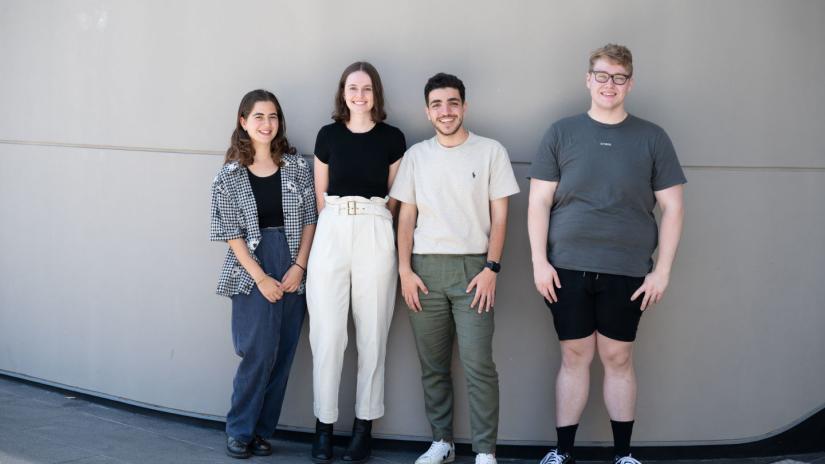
<point>353,259</point>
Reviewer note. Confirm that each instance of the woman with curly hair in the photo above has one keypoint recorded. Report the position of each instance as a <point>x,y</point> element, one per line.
<point>263,206</point>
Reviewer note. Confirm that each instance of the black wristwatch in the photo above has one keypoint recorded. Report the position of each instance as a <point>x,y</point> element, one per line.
<point>493,266</point>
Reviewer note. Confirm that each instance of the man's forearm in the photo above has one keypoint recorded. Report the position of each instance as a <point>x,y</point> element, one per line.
<point>538,223</point>
<point>539,204</point>
<point>670,232</point>
<point>498,229</point>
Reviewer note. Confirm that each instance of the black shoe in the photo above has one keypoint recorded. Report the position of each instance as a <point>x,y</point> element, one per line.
<point>322,445</point>
<point>360,446</point>
<point>237,449</point>
<point>260,447</point>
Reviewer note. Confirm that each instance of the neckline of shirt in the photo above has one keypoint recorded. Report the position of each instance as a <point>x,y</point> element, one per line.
<point>470,139</point>
<point>624,121</point>
<point>344,126</point>
<point>263,177</point>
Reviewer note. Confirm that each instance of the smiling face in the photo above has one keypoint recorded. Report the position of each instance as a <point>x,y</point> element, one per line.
<point>358,93</point>
<point>607,97</point>
<point>262,123</point>
<point>445,110</point>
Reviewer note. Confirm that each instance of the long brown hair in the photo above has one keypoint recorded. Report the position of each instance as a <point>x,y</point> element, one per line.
<point>341,112</point>
<point>240,145</point>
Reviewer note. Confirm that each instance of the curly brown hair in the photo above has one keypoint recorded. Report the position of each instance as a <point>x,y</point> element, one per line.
<point>240,145</point>
<point>341,112</point>
<point>618,54</point>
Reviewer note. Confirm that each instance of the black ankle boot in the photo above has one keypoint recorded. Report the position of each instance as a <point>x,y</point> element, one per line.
<point>360,446</point>
<point>260,447</point>
<point>322,445</point>
<point>237,449</point>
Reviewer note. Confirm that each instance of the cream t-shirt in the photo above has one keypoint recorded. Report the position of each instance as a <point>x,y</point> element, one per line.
<point>452,189</point>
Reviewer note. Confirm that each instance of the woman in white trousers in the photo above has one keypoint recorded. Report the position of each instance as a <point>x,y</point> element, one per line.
<point>353,258</point>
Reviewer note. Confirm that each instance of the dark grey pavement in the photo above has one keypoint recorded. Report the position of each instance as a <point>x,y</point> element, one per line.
<point>40,425</point>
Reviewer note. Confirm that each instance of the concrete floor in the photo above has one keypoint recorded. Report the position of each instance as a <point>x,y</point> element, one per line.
<point>40,425</point>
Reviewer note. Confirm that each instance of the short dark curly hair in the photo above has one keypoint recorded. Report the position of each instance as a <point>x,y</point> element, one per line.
<point>443,81</point>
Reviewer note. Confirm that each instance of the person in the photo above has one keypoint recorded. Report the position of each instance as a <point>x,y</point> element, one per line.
<point>594,184</point>
<point>454,191</point>
<point>353,256</point>
<point>263,206</point>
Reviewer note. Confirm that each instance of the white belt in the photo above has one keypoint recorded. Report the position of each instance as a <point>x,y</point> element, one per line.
<point>355,208</point>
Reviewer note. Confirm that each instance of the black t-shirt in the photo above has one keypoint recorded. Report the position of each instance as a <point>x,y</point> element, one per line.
<point>359,163</point>
<point>268,199</point>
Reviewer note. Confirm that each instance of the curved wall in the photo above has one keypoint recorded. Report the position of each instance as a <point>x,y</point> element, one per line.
<point>114,116</point>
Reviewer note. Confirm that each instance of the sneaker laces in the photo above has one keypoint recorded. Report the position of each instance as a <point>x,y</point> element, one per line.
<point>627,460</point>
<point>438,449</point>
<point>485,458</point>
<point>553,457</point>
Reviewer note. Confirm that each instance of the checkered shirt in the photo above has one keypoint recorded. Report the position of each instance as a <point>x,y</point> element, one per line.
<point>235,215</point>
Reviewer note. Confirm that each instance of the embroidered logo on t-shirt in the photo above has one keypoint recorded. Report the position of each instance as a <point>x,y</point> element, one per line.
<point>606,144</point>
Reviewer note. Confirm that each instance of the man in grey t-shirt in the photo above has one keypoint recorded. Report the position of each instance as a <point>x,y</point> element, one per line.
<point>594,184</point>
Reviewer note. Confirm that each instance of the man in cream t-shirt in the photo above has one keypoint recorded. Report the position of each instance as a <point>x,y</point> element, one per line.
<point>454,191</point>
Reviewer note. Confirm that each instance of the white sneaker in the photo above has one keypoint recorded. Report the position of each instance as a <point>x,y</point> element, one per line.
<point>440,452</point>
<point>554,457</point>
<point>625,460</point>
<point>485,458</point>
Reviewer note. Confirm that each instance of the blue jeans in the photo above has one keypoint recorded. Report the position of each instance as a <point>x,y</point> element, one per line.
<point>265,336</point>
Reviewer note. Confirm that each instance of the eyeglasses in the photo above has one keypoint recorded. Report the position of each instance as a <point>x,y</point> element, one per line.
<point>602,77</point>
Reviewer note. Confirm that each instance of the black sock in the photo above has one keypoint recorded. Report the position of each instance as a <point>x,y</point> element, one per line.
<point>621,437</point>
<point>566,436</point>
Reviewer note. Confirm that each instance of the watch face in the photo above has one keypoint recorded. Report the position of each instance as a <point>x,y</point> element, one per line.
<point>493,266</point>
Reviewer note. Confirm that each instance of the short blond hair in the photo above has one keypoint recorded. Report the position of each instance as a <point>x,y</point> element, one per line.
<point>618,54</point>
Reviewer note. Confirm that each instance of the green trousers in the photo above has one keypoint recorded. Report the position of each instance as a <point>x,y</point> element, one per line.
<point>446,314</point>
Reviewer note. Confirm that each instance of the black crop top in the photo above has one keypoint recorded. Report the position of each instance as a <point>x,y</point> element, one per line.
<point>359,162</point>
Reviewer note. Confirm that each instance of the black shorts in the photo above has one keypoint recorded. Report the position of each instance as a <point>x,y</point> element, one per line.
<point>589,302</point>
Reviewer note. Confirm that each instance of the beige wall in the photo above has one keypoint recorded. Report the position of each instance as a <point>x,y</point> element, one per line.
<point>113,114</point>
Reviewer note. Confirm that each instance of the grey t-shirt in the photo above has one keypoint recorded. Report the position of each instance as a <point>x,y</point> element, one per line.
<point>602,214</point>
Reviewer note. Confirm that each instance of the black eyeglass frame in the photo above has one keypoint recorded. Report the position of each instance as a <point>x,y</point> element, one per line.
<point>610,77</point>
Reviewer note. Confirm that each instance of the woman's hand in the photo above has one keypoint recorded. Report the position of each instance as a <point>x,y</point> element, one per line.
<point>292,279</point>
<point>271,289</point>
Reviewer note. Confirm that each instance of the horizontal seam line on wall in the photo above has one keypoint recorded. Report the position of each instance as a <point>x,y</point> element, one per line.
<point>184,151</point>
<point>111,147</point>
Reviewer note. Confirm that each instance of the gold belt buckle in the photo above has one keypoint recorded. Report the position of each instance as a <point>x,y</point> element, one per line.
<point>351,208</point>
